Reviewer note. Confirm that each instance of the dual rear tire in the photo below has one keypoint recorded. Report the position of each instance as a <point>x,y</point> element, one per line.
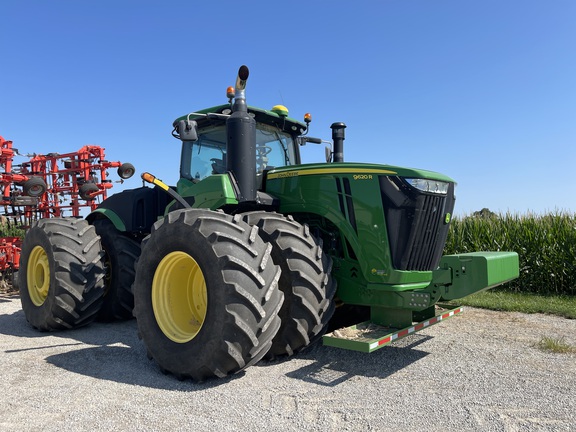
<point>206,294</point>
<point>61,275</point>
<point>306,281</point>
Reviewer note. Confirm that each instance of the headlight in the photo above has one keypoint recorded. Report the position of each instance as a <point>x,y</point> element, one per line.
<point>430,186</point>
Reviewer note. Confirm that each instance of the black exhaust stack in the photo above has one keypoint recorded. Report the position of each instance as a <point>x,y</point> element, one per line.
<point>241,142</point>
<point>338,141</point>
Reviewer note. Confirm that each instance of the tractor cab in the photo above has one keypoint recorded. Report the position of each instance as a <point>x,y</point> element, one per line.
<point>204,152</point>
<point>275,147</point>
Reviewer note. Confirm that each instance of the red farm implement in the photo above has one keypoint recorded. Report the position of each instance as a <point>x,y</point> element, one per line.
<point>50,185</point>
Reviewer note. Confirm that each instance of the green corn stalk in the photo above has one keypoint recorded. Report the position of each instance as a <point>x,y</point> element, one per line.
<point>545,244</point>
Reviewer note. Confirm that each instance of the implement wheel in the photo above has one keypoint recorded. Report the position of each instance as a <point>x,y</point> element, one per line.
<point>87,191</point>
<point>120,255</point>
<point>306,281</point>
<point>126,170</point>
<point>206,294</point>
<point>34,187</point>
<point>61,274</point>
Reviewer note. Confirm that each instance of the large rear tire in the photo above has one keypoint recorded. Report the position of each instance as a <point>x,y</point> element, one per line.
<point>306,281</point>
<point>206,294</point>
<point>120,255</point>
<point>61,274</point>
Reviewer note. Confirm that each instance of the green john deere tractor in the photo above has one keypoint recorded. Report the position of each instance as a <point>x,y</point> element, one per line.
<point>251,254</point>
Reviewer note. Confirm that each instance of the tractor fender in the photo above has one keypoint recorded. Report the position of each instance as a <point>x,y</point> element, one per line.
<point>133,210</point>
<point>102,213</point>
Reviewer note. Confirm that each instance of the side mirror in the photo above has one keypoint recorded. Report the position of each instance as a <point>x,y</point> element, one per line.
<point>302,140</point>
<point>188,130</point>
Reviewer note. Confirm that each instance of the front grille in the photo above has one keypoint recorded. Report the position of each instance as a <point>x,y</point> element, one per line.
<point>416,224</point>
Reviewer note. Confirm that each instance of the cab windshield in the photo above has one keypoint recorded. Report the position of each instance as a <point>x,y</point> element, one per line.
<point>207,156</point>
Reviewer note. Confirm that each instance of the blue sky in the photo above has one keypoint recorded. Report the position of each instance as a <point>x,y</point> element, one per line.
<point>483,91</point>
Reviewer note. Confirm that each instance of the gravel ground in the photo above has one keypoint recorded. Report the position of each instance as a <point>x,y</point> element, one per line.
<point>477,371</point>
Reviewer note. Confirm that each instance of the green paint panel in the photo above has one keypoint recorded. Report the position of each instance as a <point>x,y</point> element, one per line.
<point>213,192</point>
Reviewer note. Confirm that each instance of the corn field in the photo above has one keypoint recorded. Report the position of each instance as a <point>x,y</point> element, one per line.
<point>545,244</point>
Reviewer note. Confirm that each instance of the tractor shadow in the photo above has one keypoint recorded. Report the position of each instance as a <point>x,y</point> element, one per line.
<point>113,352</point>
<point>107,351</point>
<point>333,366</point>
<point>8,297</point>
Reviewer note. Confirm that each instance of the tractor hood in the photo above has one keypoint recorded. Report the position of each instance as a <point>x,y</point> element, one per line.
<point>356,169</point>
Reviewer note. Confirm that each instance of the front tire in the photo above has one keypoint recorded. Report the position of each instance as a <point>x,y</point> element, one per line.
<point>306,281</point>
<point>206,294</point>
<point>61,274</point>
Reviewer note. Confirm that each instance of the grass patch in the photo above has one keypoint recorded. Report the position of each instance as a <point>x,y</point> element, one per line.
<point>555,345</point>
<point>564,306</point>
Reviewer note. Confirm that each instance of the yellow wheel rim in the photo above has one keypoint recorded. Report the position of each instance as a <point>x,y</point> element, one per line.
<point>179,297</point>
<point>38,275</point>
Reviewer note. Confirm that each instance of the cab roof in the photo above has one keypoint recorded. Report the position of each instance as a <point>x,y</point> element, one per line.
<point>285,123</point>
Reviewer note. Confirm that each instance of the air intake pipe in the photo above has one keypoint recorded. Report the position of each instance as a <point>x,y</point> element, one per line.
<point>241,142</point>
<point>338,141</point>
